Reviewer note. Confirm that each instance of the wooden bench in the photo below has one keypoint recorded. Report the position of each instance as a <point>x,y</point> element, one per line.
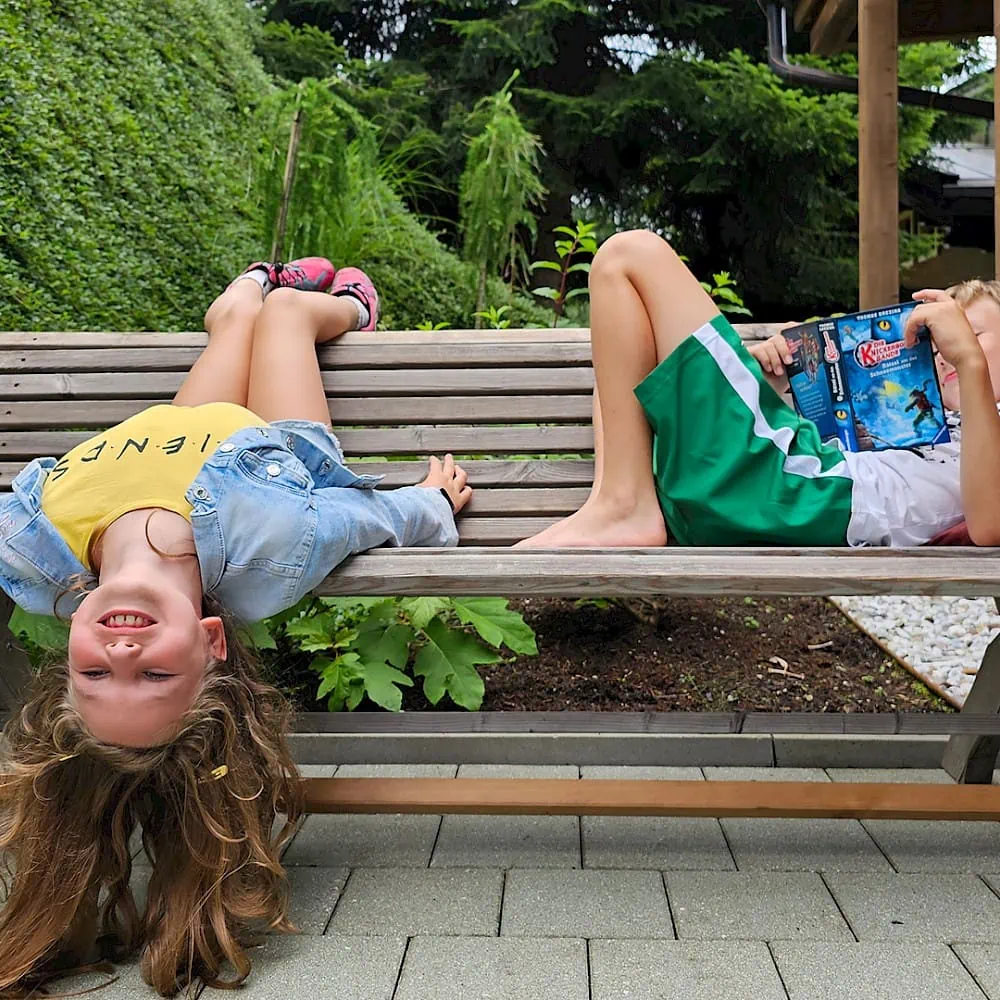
<point>501,399</point>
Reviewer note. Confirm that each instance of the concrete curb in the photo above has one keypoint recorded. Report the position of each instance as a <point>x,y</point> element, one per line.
<point>669,749</point>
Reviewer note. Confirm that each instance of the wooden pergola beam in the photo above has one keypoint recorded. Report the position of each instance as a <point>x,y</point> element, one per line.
<point>805,10</point>
<point>834,26</point>
<point>878,151</point>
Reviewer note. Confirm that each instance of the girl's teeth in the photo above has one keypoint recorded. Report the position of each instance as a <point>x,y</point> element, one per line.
<point>127,620</point>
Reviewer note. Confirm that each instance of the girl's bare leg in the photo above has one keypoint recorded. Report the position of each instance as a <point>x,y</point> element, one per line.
<point>598,425</point>
<point>643,303</point>
<point>222,372</point>
<point>285,380</point>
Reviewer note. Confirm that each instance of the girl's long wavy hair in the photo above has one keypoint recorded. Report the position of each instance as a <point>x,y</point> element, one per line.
<point>206,803</point>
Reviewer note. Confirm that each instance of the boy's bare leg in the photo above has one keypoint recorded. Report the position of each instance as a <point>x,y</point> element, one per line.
<point>285,380</point>
<point>222,372</point>
<point>598,425</point>
<point>643,303</point>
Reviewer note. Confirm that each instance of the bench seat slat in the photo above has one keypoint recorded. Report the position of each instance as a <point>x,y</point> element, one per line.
<point>362,382</point>
<point>483,472</point>
<point>353,410</point>
<point>670,571</point>
<point>358,442</point>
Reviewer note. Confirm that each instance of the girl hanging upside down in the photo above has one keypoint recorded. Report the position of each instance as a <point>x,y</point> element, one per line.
<point>229,505</point>
<point>692,440</point>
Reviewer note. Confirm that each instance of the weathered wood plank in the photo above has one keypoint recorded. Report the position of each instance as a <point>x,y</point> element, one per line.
<point>363,383</point>
<point>102,413</point>
<point>333,357</point>
<point>617,797</point>
<point>416,440</point>
<point>608,573</point>
<point>482,472</point>
<point>44,340</point>
<point>971,758</point>
<point>835,23</point>
<point>804,13</point>
<point>15,669</point>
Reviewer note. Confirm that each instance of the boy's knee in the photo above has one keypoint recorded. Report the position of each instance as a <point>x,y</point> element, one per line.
<point>623,249</point>
<point>283,299</point>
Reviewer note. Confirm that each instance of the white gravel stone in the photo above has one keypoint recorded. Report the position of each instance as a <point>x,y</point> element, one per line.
<point>942,638</point>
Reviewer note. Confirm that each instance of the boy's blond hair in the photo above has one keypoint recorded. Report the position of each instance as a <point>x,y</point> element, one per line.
<point>967,292</point>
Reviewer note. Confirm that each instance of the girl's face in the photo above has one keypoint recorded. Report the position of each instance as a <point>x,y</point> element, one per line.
<point>984,318</point>
<point>137,658</point>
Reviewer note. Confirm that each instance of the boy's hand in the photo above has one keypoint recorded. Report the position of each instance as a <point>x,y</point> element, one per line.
<point>944,317</point>
<point>451,478</point>
<point>773,354</point>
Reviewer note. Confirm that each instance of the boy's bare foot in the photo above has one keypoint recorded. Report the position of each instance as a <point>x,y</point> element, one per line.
<point>598,524</point>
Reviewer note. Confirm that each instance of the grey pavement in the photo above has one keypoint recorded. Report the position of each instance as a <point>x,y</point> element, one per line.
<point>631,908</point>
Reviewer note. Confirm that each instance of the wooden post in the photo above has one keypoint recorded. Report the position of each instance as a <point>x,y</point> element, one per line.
<point>996,150</point>
<point>15,670</point>
<point>878,150</point>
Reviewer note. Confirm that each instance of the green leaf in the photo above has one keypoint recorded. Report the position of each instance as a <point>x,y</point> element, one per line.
<point>496,623</point>
<point>546,292</point>
<point>565,229</point>
<point>312,633</point>
<point>546,265</point>
<point>448,664</point>
<point>391,645</point>
<point>584,268</point>
<point>259,635</point>
<point>574,292</point>
<point>341,680</point>
<point>380,682</point>
<point>44,631</point>
<point>420,610</point>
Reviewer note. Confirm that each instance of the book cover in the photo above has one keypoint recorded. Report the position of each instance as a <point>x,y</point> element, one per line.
<point>854,378</point>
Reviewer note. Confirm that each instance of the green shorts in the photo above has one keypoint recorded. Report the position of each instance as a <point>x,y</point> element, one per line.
<point>733,464</point>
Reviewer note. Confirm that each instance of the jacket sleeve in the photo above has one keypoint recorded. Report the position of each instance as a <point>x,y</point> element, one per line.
<point>352,520</point>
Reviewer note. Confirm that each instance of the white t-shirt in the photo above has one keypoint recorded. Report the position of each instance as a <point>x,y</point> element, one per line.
<point>904,498</point>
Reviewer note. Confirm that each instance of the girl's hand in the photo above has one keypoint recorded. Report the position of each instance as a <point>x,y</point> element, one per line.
<point>773,354</point>
<point>451,478</point>
<point>945,318</point>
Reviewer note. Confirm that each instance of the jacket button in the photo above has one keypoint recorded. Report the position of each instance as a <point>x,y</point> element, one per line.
<point>201,493</point>
<point>325,467</point>
<point>228,447</point>
<point>274,470</point>
<point>290,443</point>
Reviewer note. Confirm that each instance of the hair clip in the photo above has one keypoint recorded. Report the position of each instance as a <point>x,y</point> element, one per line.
<point>66,756</point>
<point>219,772</point>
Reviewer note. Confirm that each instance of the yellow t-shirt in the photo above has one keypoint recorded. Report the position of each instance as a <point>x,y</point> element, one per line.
<point>148,460</point>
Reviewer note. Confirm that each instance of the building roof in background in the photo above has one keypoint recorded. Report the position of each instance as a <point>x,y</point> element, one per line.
<point>973,164</point>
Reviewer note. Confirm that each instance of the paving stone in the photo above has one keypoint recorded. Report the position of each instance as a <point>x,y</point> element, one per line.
<point>753,906</point>
<point>813,845</point>
<point>129,984</point>
<point>357,841</point>
<point>662,842</point>
<point>656,970</point>
<point>447,901</point>
<point>619,904</point>
<point>917,846</point>
<point>983,961</point>
<point>869,971</point>
<point>324,968</point>
<point>902,775</point>
<point>438,968</point>
<point>510,841</point>
<point>396,771</point>
<point>314,895</point>
<point>917,907</point>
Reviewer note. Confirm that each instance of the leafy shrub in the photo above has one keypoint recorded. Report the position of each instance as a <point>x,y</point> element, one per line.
<point>122,193</point>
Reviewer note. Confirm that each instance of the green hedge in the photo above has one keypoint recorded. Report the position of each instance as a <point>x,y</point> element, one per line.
<point>123,188</point>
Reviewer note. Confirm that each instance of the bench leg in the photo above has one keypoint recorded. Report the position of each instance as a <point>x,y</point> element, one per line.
<point>969,758</point>
<point>15,668</point>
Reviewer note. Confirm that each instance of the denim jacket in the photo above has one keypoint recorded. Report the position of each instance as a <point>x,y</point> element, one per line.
<point>274,511</point>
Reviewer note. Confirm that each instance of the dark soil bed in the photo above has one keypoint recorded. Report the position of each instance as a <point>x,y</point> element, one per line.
<point>692,654</point>
<point>698,654</point>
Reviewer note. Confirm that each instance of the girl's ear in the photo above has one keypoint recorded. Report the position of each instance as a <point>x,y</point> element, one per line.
<point>215,632</point>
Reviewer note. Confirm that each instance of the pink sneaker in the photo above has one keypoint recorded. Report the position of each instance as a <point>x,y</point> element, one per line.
<point>308,274</point>
<point>353,281</point>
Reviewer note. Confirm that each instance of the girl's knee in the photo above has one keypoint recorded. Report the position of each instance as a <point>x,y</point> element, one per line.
<point>623,249</point>
<point>283,300</point>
